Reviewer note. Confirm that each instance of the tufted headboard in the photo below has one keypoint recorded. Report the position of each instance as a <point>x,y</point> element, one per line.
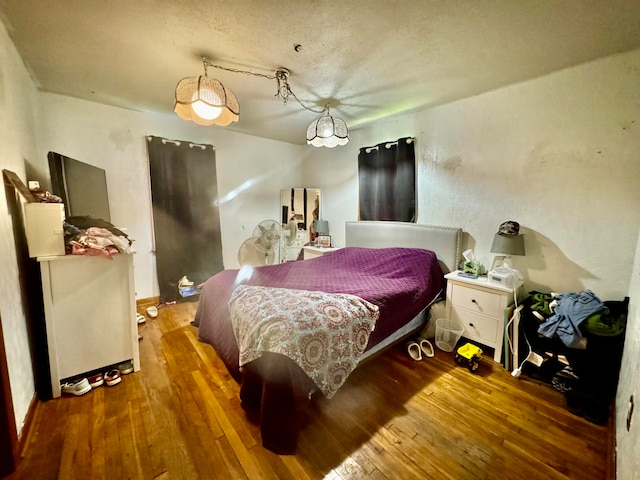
<point>445,241</point>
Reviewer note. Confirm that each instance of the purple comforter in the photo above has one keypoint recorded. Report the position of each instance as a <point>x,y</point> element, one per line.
<point>400,281</point>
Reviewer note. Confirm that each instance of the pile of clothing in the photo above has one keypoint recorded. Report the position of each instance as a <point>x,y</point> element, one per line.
<point>93,236</point>
<point>567,312</point>
<point>581,339</point>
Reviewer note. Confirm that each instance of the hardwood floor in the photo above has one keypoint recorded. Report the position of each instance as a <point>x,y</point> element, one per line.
<point>180,418</point>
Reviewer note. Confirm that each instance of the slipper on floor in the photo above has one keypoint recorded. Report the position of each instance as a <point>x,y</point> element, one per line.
<point>140,318</point>
<point>426,347</point>
<point>414,351</point>
<point>152,312</point>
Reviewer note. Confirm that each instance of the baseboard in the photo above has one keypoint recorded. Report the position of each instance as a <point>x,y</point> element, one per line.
<point>28,424</point>
<point>147,302</point>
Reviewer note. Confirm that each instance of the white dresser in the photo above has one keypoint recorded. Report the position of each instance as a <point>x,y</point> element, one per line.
<point>480,307</point>
<point>90,314</point>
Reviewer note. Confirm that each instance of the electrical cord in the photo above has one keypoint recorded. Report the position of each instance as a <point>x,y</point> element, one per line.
<point>516,314</point>
<point>517,307</point>
<point>530,354</point>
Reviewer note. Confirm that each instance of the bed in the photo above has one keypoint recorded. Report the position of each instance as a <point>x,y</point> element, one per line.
<point>286,332</point>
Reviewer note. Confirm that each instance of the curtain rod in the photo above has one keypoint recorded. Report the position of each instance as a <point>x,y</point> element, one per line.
<point>409,140</point>
<point>177,143</point>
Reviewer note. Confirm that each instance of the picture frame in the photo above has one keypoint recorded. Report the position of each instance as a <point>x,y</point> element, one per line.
<point>323,240</point>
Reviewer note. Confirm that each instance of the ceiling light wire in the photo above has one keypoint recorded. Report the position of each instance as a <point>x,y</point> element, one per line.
<point>207,101</point>
<point>281,76</point>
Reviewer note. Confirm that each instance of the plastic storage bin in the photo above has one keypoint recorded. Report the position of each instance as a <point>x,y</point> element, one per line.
<point>44,226</point>
<point>448,332</point>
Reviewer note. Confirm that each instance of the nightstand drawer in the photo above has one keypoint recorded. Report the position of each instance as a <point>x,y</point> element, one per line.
<point>475,300</point>
<point>476,326</point>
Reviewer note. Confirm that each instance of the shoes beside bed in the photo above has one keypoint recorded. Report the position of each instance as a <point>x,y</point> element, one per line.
<point>419,348</point>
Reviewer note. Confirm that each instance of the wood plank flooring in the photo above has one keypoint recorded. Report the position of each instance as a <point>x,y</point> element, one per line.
<point>180,418</point>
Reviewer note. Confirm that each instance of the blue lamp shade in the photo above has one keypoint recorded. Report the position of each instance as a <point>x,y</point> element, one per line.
<point>508,244</point>
<point>322,227</point>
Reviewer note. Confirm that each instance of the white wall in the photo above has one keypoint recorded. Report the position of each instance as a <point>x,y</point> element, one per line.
<point>560,155</point>
<point>18,153</point>
<point>250,170</point>
<point>628,442</point>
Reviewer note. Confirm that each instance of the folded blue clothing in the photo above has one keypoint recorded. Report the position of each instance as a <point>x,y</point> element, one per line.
<point>189,291</point>
<point>572,309</point>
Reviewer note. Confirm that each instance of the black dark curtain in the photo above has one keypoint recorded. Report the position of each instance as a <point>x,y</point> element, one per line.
<point>387,178</point>
<point>186,218</point>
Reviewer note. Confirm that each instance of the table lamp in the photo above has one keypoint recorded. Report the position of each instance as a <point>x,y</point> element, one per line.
<point>322,227</point>
<point>507,242</point>
<point>507,246</point>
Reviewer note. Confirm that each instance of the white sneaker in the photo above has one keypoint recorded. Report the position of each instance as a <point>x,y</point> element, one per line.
<point>125,368</point>
<point>112,377</point>
<point>79,387</point>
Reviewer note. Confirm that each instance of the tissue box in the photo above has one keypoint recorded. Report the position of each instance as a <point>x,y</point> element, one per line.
<point>472,268</point>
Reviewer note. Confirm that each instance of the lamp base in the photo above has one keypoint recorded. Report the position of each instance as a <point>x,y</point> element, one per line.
<point>501,261</point>
<point>502,273</point>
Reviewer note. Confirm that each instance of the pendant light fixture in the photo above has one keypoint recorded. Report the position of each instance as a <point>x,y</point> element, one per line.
<point>327,131</point>
<point>206,101</point>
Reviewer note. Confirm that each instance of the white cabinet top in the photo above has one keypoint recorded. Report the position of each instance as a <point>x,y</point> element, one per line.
<point>481,281</point>
<point>50,258</point>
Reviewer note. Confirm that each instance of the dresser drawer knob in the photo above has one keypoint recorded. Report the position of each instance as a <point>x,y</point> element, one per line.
<point>471,325</point>
<point>473,300</point>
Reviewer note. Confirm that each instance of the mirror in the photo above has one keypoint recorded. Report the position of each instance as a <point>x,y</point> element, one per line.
<point>299,208</point>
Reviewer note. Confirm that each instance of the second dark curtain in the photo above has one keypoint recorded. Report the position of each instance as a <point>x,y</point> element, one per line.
<point>386,178</point>
<point>186,218</point>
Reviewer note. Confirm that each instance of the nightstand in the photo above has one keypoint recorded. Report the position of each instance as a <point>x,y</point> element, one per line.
<point>480,306</point>
<point>313,252</point>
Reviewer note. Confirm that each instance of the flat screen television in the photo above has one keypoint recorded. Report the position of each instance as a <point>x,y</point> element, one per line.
<point>82,187</point>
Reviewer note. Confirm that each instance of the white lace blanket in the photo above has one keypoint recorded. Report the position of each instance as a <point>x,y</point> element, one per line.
<point>325,334</point>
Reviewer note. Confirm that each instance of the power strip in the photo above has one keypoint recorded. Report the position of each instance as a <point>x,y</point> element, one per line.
<point>535,358</point>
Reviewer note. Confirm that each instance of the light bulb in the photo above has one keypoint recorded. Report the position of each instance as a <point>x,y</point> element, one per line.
<point>206,110</point>
<point>326,130</point>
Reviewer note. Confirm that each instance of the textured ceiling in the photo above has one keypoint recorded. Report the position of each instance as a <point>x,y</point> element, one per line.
<point>369,59</point>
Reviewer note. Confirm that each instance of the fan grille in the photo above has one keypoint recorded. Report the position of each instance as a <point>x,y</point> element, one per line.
<point>266,235</point>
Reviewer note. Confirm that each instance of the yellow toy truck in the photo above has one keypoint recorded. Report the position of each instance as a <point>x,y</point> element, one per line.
<point>470,355</point>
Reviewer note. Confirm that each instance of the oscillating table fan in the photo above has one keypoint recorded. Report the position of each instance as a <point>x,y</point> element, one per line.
<point>261,247</point>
